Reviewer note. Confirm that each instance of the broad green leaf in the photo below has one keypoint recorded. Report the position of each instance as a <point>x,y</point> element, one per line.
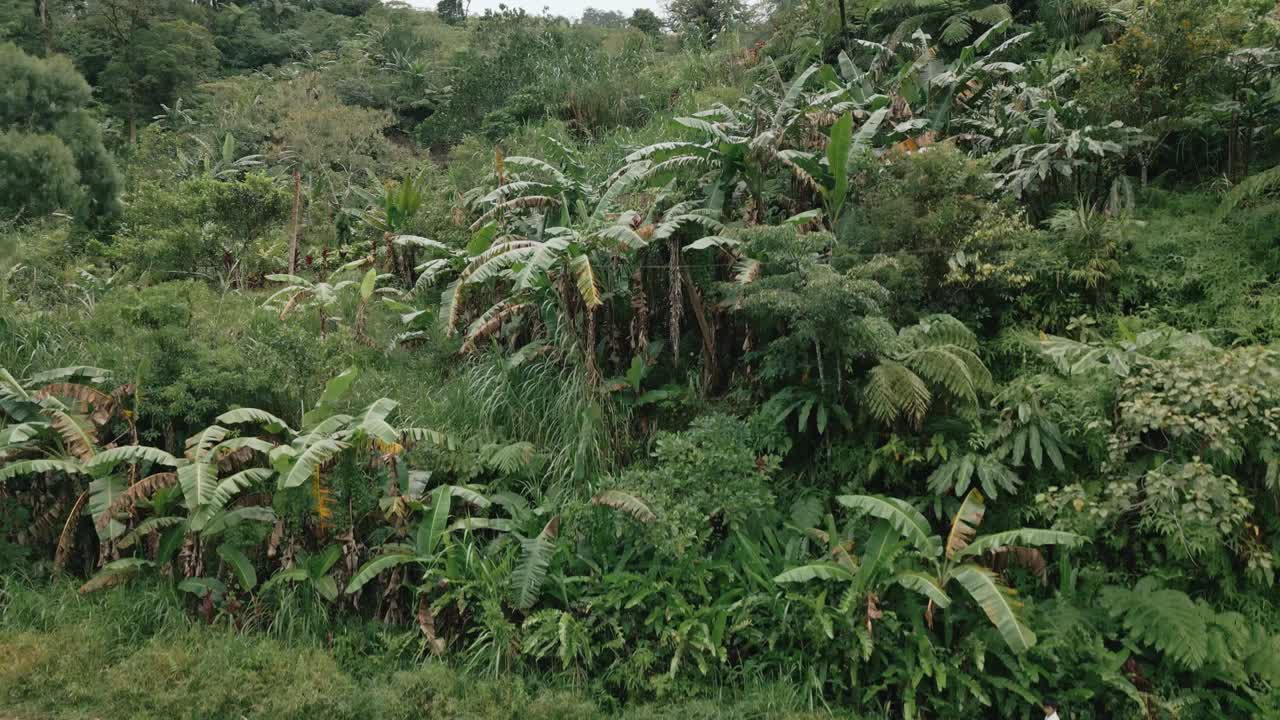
<point>102,493</point>
<point>198,481</point>
<point>312,458</point>
<point>292,575</point>
<point>815,571</point>
<point>339,386</point>
<point>998,602</point>
<point>374,567</point>
<point>239,564</point>
<point>242,416</point>
<point>925,585</point>
<point>433,527</point>
<point>32,467</point>
<point>965,523</point>
<point>130,453</point>
<point>368,283</point>
<point>838,165</point>
<point>1023,537</point>
<point>201,444</point>
<point>905,519</point>
<point>114,572</point>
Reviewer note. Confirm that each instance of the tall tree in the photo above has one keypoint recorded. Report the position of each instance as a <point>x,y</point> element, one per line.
<point>603,18</point>
<point>151,57</point>
<point>51,152</point>
<point>646,21</point>
<point>453,12</point>
<point>705,20</point>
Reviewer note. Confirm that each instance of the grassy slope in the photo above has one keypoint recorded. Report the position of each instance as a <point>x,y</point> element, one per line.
<point>134,654</point>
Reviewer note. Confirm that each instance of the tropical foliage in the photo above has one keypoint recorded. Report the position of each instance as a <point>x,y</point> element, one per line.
<point>903,359</point>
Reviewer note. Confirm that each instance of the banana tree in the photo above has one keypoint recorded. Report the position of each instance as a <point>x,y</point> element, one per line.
<point>311,573</point>
<point>322,295</point>
<point>829,175</point>
<point>535,185</point>
<point>938,561</point>
<point>737,146</point>
<point>390,211</point>
<point>52,433</point>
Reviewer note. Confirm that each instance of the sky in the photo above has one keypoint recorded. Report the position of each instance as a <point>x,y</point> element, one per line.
<point>568,8</point>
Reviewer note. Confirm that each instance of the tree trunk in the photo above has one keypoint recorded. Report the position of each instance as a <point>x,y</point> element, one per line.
<point>844,28</point>
<point>42,12</point>
<point>133,128</point>
<point>675,301</point>
<point>293,238</point>
<point>706,324</point>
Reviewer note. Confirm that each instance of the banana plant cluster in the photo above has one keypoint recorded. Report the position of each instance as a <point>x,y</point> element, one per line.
<point>931,563</point>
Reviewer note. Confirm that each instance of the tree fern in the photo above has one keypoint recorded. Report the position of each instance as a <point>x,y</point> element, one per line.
<point>894,390</point>
<point>954,367</point>
<point>1163,618</point>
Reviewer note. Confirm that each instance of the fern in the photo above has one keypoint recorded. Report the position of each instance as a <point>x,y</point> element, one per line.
<point>893,391</point>
<point>1163,618</point>
<point>535,559</point>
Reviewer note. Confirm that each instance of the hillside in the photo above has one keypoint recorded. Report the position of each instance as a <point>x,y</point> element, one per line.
<point>873,360</point>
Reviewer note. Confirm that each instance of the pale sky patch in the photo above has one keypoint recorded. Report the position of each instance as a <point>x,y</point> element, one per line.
<point>567,8</point>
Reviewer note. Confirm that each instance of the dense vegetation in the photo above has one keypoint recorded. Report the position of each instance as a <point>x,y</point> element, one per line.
<point>893,358</point>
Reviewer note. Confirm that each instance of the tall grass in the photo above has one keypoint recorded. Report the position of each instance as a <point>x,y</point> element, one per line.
<point>135,653</point>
